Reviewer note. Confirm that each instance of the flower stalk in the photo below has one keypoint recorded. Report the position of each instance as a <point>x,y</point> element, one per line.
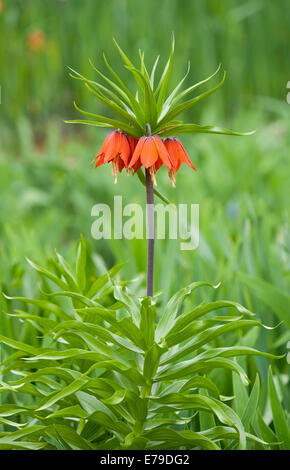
<point>151,228</point>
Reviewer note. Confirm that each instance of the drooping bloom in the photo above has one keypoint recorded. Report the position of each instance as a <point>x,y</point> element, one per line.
<point>117,148</point>
<point>177,155</point>
<point>151,153</point>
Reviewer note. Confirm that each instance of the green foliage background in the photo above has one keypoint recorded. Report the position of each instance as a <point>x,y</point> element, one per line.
<point>47,189</point>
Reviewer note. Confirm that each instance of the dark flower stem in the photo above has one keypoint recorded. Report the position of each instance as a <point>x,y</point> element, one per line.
<point>151,229</point>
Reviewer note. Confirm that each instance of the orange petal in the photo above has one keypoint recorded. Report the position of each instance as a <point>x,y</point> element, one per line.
<point>113,147</point>
<point>107,141</point>
<point>172,148</point>
<point>132,142</point>
<point>158,164</point>
<point>137,151</point>
<point>137,166</point>
<point>183,155</point>
<point>149,154</point>
<point>96,157</point>
<point>121,165</point>
<point>100,162</point>
<point>104,146</point>
<point>125,150</point>
<point>162,152</point>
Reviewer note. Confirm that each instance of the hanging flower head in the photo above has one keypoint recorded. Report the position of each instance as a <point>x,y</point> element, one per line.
<point>118,149</point>
<point>152,154</point>
<point>177,155</point>
<point>146,116</point>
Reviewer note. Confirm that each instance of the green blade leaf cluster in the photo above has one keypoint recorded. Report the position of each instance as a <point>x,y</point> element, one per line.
<point>109,370</point>
<point>151,102</point>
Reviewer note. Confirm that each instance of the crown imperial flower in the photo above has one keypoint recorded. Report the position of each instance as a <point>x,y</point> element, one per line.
<point>178,155</point>
<point>152,154</point>
<point>150,108</point>
<point>118,149</point>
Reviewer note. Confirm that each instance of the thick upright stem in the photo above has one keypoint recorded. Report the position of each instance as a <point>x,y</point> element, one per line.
<point>151,234</point>
<point>151,228</point>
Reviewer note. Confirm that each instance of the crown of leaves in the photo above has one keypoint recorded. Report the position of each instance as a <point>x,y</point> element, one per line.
<point>150,104</point>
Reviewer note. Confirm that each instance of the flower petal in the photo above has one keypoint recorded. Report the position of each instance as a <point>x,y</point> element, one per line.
<point>125,149</point>
<point>162,152</point>
<point>172,149</point>
<point>158,164</point>
<point>104,146</point>
<point>137,151</point>
<point>100,162</point>
<point>149,154</point>
<point>113,148</point>
<point>132,142</point>
<point>183,155</point>
<point>137,166</point>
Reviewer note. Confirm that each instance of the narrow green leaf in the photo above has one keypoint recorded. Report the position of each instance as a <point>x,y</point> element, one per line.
<point>178,109</point>
<point>277,300</point>
<point>172,438</point>
<point>279,419</point>
<point>18,345</point>
<point>104,279</point>
<point>152,75</point>
<point>252,405</point>
<point>48,274</point>
<point>116,124</point>
<point>176,129</point>
<point>65,392</point>
<point>173,306</point>
<point>81,265</point>
<point>74,411</point>
<point>190,89</point>
<point>163,84</point>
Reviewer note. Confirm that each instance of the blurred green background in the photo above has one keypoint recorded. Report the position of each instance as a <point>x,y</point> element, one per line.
<point>47,188</point>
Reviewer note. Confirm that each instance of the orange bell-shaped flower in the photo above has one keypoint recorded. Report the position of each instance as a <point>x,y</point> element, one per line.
<point>117,148</point>
<point>177,155</point>
<point>150,152</point>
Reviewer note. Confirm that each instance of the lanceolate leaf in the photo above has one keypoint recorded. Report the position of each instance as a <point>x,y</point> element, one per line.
<point>131,100</point>
<point>279,419</point>
<point>171,309</point>
<point>163,84</point>
<point>81,265</point>
<point>184,93</point>
<point>252,405</point>
<point>197,129</point>
<point>206,336</point>
<point>102,119</point>
<point>172,438</point>
<point>224,413</point>
<point>178,109</point>
<point>72,388</point>
<point>192,366</point>
<point>48,274</point>
<point>272,296</point>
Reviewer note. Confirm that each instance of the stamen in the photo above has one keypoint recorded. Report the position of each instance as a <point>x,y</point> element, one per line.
<point>172,178</point>
<point>115,167</point>
<point>152,172</point>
